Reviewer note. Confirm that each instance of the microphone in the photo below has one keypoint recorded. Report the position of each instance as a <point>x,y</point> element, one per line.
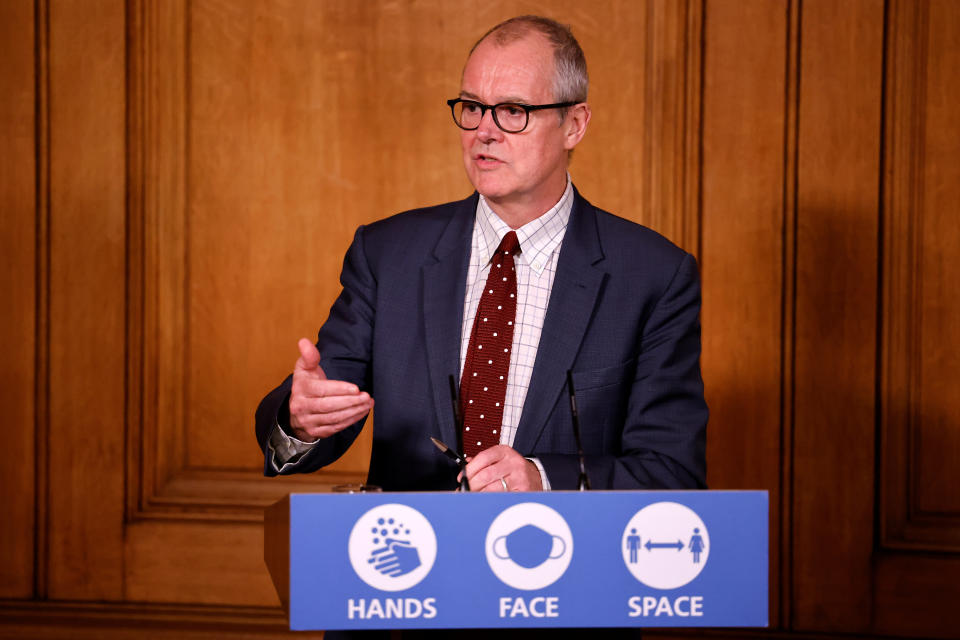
<point>583,483</point>
<point>458,425</point>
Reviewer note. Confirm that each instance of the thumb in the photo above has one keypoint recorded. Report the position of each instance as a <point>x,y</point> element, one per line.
<point>309,358</point>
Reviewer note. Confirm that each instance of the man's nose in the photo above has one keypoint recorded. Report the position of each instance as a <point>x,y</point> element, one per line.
<point>488,130</point>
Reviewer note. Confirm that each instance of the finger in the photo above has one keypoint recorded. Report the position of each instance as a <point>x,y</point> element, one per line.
<point>311,415</point>
<point>512,473</point>
<point>334,404</point>
<point>483,479</point>
<point>309,358</point>
<point>493,486</point>
<point>305,406</point>
<point>311,387</point>
<point>316,429</point>
<point>484,459</point>
<point>487,479</point>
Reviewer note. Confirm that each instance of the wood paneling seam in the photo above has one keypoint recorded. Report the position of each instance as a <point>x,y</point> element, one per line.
<point>42,369</point>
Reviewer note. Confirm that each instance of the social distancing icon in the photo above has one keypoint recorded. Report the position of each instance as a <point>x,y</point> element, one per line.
<point>665,545</point>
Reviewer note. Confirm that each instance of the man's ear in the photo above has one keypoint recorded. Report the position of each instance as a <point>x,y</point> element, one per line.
<point>578,116</point>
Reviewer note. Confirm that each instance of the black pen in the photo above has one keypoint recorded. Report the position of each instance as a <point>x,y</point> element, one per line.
<point>447,451</point>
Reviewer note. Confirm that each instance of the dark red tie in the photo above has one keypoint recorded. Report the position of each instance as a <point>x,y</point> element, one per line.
<point>483,387</point>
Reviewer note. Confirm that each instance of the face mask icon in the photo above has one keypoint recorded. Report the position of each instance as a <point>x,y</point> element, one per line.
<point>529,546</point>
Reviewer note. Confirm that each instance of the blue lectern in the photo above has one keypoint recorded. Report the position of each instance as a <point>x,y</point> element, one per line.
<point>551,559</point>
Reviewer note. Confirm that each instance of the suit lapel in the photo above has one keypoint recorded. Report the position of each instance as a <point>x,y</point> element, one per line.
<point>444,284</point>
<point>575,290</point>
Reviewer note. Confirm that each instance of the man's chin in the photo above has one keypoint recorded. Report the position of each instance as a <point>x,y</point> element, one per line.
<point>495,197</point>
<point>490,189</point>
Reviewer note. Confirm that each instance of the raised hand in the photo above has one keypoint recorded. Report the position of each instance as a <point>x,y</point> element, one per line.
<point>320,407</point>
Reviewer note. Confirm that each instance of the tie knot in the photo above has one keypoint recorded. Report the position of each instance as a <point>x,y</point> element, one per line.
<point>509,244</point>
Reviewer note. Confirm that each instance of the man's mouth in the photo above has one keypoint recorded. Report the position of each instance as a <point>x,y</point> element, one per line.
<point>486,158</point>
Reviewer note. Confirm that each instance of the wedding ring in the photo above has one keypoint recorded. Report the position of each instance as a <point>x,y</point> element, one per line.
<point>504,483</point>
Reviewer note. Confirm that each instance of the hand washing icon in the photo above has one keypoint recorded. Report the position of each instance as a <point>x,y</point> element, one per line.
<point>529,546</point>
<point>392,547</point>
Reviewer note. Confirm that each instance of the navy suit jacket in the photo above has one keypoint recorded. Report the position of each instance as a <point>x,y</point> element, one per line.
<point>623,316</point>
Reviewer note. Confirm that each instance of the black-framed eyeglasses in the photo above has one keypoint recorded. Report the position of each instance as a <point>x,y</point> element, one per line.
<point>511,117</point>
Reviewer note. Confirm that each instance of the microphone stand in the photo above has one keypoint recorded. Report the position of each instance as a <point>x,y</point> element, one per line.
<point>458,425</point>
<point>583,483</point>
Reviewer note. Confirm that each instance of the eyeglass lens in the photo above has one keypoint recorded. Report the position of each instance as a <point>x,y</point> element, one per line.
<point>512,118</point>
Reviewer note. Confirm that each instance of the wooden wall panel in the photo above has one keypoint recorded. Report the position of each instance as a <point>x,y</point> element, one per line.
<point>744,130</point>
<point>86,312</point>
<point>937,440</point>
<point>195,563</point>
<point>17,288</point>
<point>915,594</point>
<point>838,186</point>
<point>259,136</point>
<point>256,132</point>
<point>292,111</point>
<point>919,503</point>
<point>194,170</point>
<point>919,532</point>
<point>938,443</point>
<point>640,158</point>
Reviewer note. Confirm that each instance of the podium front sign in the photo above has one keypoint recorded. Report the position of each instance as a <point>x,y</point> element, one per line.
<point>553,559</point>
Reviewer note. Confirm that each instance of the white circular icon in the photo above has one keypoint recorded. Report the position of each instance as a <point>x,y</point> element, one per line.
<point>392,547</point>
<point>529,546</point>
<point>665,545</point>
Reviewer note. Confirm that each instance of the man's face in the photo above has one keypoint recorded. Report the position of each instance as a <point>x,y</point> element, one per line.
<point>516,172</point>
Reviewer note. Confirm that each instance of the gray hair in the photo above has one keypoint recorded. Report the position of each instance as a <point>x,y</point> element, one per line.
<point>571,82</point>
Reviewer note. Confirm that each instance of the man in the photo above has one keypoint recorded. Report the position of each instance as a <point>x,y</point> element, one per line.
<point>609,300</point>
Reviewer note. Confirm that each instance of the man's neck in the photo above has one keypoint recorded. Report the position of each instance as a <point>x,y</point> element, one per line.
<point>519,211</point>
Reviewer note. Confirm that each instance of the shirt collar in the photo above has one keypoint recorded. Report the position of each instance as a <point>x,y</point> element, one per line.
<point>539,238</point>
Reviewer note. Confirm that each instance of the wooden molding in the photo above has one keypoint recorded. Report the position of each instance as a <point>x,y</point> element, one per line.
<point>42,373</point>
<point>903,523</point>
<point>236,496</point>
<point>788,343</point>
<point>33,619</point>
<point>156,151</point>
<point>21,291</point>
<point>674,44</point>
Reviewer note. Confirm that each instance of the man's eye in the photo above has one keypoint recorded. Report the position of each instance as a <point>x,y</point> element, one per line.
<point>469,107</point>
<point>512,109</point>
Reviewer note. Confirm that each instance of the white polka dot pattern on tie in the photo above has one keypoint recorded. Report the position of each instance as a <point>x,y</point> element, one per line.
<point>482,408</point>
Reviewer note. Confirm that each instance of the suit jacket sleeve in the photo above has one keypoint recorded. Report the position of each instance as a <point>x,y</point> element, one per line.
<point>344,343</point>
